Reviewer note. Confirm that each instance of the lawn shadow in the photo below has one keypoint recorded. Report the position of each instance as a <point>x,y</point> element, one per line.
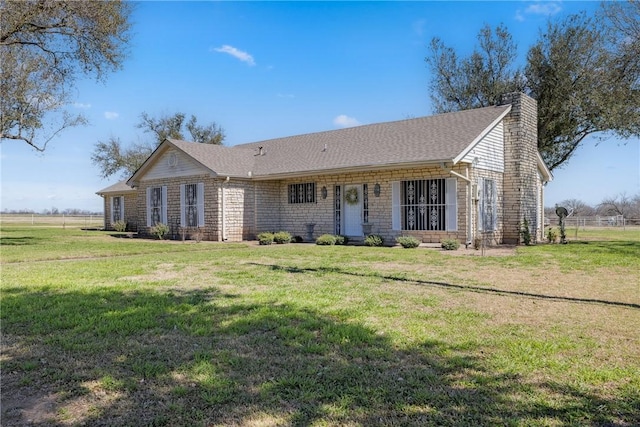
<point>469,288</point>
<point>19,241</point>
<point>113,357</point>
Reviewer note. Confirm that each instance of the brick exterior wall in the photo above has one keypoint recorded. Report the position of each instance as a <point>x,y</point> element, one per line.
<point>130,210</point>
<point>521,182</point>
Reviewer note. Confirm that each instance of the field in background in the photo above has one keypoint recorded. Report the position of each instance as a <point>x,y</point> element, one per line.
<point>76,221</point>
<point>101,330</point>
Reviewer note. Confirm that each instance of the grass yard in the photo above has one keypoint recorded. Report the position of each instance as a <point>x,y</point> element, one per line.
<point>100,330</point>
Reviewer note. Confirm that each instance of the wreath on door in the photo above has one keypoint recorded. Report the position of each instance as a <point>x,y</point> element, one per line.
<point>351,196</point>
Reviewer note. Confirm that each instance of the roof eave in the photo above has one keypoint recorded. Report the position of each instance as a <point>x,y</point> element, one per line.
<point>350,169</point>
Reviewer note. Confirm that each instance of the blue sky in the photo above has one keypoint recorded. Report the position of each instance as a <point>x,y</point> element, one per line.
<point>263,70</point>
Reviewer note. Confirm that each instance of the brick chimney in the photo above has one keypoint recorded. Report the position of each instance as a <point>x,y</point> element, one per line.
<point>521,179</point>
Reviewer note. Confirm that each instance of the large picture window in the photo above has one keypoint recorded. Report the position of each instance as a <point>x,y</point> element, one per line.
<point>302,193</point>
<point>192,205</point>
<point>425,205</point>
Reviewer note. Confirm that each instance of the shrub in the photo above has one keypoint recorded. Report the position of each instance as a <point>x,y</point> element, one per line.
<point>373,240</point>
<point>341,240</point>
<point>160,230</point>
<point>297,239</point>
<point>119,226</point>
<point>450,244</point>
<point>326,239</point>
<point>282,237</point>
<point>265,238</point>
<point>552,235</point>
<point>525,232</point>
<point>408,242</point>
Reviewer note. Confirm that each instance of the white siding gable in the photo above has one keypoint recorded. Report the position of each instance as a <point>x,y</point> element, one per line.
<point>173,164</point>
<point>488,153</point>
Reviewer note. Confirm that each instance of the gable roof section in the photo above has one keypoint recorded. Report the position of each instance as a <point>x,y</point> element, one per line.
<point>217,159</point>
<point>432,139</point>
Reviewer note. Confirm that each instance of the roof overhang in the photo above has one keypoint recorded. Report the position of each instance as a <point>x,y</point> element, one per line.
<point>544,170</point>
<point>351,169</point>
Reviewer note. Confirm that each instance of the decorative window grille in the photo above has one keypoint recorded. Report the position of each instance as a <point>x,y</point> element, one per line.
<point>191,205</point>
<point>156,205</point>
<point>488,205</point>
<point>365,203</point>
<point>338,206</point>
<point>116,209</point>
<point>302,193</point>
<point>423,205</point>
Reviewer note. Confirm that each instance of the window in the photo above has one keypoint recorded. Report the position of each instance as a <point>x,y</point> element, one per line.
<point>117,209</point>
<point>192,205</point>
<point>302,193</point>
<point>487,206</point>
<point>425,205</point>
<point>156,205</point>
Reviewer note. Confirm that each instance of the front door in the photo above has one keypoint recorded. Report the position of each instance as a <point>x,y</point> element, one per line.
<point>352,202</point>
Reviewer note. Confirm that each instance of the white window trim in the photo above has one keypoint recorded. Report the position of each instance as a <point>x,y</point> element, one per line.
<point>163,207</point>
<point>121,208</point>
<point>199,204</point>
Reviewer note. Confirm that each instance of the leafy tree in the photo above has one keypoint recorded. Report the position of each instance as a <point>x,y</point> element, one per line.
<point>44,46</point>
<point>476,81</point>
<point>112,157</point>
<point>579,70</point>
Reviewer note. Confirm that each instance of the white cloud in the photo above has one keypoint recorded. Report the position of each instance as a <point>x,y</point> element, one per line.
<point>82,106</point>
<point>548,8</point>
<point>110,115</point>
<point>419,26</point>
<point>242,56</point>
<point>345,121</point>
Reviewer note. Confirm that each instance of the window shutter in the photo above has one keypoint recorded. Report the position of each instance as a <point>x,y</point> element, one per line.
<point>494,205</point>
<point>451,200</point>
<point>122,217</point>
<point>182,206</point>
<point>480,204</point>
<point>149,207</point>
<point>200,202</point>
<point>111,212</point>
<point>164,205</point>
<point>396,223</point>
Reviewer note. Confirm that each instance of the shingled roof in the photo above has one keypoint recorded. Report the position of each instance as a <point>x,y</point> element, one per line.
<point>432,139</point>
<point>423,140</point>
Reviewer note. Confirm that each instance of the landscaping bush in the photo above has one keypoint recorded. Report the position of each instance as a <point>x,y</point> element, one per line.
<point>265,238</point>
<point>160,230</point>
<point>552,235</point>
<point>373,240</point>
<point>450,244</point>
<point>341,240</point>
<point>326,239</point>
<point>282,237</point>
<point>119,226</point>
<point>408,242</point>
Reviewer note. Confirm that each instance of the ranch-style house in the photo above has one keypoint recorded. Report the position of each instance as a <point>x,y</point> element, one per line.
<point>464,175</point>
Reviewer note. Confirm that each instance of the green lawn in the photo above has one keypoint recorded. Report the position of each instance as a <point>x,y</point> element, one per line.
<point>102,330</point>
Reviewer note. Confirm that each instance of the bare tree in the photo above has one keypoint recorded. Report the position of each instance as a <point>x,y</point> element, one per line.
<point>44,46</point>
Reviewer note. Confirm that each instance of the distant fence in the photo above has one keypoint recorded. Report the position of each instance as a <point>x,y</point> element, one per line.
<point>595,221</point>
<point>76,221</point>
